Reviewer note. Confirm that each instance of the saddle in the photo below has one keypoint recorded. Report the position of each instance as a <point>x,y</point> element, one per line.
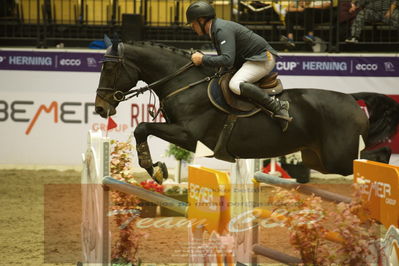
<point>270,83</point>
<point>236,106</point>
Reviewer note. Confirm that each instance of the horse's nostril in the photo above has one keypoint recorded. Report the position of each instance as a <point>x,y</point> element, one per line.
<point>99,109</point>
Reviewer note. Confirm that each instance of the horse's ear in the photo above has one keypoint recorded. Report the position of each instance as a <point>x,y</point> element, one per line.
<point>115,43</point>
<point>116,38</point>
<point>107,41</point>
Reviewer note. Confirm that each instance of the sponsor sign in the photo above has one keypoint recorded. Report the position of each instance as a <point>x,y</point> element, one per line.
<point>338,66</point>
<point>50,61</point>
<point>370,66</point>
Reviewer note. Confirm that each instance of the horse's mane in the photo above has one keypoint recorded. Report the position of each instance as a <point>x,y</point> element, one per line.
<point>171,49</point>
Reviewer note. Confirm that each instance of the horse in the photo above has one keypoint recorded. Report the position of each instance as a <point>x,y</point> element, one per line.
<point>326,124</point>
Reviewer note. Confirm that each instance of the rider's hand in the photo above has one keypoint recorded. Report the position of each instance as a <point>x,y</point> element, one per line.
<point>197,58</point>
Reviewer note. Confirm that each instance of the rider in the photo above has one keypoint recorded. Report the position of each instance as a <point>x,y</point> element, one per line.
<point>238,47</point>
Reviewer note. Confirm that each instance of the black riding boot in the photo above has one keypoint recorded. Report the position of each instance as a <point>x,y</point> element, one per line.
<point>278,108</point>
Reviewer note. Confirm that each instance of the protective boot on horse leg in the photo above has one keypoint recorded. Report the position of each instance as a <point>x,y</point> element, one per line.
<point>261,98</point>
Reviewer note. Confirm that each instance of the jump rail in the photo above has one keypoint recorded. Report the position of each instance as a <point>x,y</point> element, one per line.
<point>305,189</point>
<point>275,255</point>
<point>154,197</point>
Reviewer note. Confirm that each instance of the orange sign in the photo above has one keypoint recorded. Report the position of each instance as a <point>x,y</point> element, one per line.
<point>379,184</point>
<point>209,196</point>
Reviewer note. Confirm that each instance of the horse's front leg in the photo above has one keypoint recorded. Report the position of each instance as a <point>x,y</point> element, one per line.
<point>173,133</point>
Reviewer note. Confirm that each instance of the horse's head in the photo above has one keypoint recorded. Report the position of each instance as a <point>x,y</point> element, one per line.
<point>115,76</point>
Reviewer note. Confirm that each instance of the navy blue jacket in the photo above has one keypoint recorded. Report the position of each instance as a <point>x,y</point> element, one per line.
<point>235,44</point>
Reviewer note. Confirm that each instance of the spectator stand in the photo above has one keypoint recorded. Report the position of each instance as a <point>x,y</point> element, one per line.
<point>267,18</point>
<point>76,23</point>
<point>375,37</point>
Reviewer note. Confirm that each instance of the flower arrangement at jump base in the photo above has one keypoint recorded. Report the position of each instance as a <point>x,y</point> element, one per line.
<point>306,222</point>
<point>149,209</point>
<point>152,186</point>
<point>125,208</point>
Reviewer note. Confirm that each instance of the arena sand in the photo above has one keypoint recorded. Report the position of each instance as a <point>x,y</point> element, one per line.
<point>41,216</point>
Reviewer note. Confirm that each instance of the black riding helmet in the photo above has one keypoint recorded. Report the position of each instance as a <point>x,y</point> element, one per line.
<point>200,9</point>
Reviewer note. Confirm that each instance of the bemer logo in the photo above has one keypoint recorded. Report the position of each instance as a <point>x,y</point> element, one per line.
<point>70,62</point>
<point>67,112</point>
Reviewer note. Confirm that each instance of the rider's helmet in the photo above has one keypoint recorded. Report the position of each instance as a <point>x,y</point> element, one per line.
<point>200,9</point>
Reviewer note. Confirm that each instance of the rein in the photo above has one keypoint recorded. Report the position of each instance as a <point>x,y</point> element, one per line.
<point>121,96</point>
<point>192,85</point>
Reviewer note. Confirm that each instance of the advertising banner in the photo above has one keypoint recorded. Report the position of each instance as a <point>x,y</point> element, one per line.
<point>345,66</point>
<point>47,100</point>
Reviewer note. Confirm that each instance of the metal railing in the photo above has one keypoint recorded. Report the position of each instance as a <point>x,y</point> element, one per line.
<point>77,22</point>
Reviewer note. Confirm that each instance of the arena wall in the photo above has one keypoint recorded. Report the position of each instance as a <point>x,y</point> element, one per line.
<point>47,99</point>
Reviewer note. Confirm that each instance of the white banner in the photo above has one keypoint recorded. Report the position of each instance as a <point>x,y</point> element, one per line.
<point>45,113</point>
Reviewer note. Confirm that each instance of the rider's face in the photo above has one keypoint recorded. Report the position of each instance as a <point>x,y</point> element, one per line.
<point>197,28</point>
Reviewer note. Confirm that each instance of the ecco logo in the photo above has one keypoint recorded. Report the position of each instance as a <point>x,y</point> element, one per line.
<point>70,62</point>
<point>364,67</point>
<point>286,65</point>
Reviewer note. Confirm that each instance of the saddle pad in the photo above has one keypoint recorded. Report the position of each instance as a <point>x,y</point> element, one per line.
<point>216,97</point>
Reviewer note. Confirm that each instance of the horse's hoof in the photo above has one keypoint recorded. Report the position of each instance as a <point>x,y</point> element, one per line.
<point>160,172</point>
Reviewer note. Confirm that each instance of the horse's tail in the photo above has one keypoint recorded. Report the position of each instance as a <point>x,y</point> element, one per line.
<point>383,116</point>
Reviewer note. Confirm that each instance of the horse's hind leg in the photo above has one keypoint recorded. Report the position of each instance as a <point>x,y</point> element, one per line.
<point>312,160</point>
<point>338,155</point>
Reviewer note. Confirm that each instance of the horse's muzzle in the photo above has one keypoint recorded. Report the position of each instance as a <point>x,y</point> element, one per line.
<point>103,108</point>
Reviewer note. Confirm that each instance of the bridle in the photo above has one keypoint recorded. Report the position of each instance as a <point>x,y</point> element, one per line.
<point>120,96</point>
<point>119,65</point>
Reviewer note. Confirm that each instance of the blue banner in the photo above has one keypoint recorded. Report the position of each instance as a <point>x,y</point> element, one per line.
<point>370,66</point>
<point>50,61</point>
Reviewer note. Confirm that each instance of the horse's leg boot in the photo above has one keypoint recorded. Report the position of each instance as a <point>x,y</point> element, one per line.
<point>278,108</point>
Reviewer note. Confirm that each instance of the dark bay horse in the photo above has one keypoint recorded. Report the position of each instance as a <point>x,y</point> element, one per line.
<point>326,125</point>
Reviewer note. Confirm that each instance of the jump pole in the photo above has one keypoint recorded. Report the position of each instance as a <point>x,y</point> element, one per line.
<point>301,188</point>
<point>159,199</point>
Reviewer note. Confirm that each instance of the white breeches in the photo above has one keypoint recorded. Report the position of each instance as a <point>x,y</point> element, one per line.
<point>252,71</point>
